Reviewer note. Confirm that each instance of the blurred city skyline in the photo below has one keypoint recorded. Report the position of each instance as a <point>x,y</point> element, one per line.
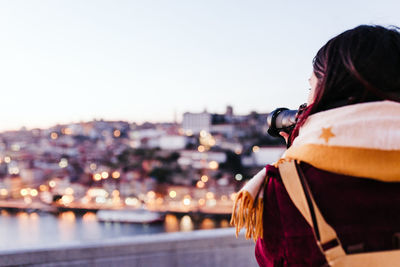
<point>71,61</point>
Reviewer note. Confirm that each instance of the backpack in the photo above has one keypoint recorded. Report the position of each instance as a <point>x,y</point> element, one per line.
<point>327,240</point>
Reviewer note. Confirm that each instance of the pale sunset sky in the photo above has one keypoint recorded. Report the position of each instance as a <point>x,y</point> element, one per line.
<point>65,61</point>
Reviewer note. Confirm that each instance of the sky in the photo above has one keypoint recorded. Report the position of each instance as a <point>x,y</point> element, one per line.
<point>64,61</point>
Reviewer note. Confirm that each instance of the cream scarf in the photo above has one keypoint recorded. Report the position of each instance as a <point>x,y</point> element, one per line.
<point>361,140</point>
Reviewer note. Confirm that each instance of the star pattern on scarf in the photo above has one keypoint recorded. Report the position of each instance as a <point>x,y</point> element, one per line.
<point>327,134</point>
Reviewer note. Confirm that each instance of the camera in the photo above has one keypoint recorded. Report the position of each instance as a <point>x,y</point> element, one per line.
<point>283,120</point>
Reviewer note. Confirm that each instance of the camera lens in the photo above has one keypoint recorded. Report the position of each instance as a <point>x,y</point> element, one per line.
<point>281,120</point>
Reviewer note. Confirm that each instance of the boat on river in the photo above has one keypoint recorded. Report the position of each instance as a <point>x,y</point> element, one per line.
<point>130,216</point>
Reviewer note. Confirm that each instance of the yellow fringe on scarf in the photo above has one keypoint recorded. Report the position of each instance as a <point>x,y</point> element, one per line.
<point>246,214</point>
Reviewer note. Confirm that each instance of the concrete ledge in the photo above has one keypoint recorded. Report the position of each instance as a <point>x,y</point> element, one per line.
<point>217,247</point>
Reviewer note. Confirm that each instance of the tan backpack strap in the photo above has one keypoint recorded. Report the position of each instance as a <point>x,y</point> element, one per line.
<point>293,186</point>
<point>302,198</point>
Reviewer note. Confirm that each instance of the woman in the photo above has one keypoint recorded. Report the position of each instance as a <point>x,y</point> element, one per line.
<point>347,141</point>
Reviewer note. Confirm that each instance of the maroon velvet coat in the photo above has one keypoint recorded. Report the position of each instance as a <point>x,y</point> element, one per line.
<point>365,214</point>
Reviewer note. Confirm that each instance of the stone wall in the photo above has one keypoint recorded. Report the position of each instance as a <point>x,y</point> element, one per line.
<point>202,248</point>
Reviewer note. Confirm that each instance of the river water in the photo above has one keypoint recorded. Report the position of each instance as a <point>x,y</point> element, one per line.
<point>33,230</point>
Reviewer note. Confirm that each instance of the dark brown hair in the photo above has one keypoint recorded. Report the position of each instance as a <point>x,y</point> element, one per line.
<point>359,65</point>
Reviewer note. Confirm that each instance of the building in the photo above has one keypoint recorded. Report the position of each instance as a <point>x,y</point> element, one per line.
<point>194,123</point>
